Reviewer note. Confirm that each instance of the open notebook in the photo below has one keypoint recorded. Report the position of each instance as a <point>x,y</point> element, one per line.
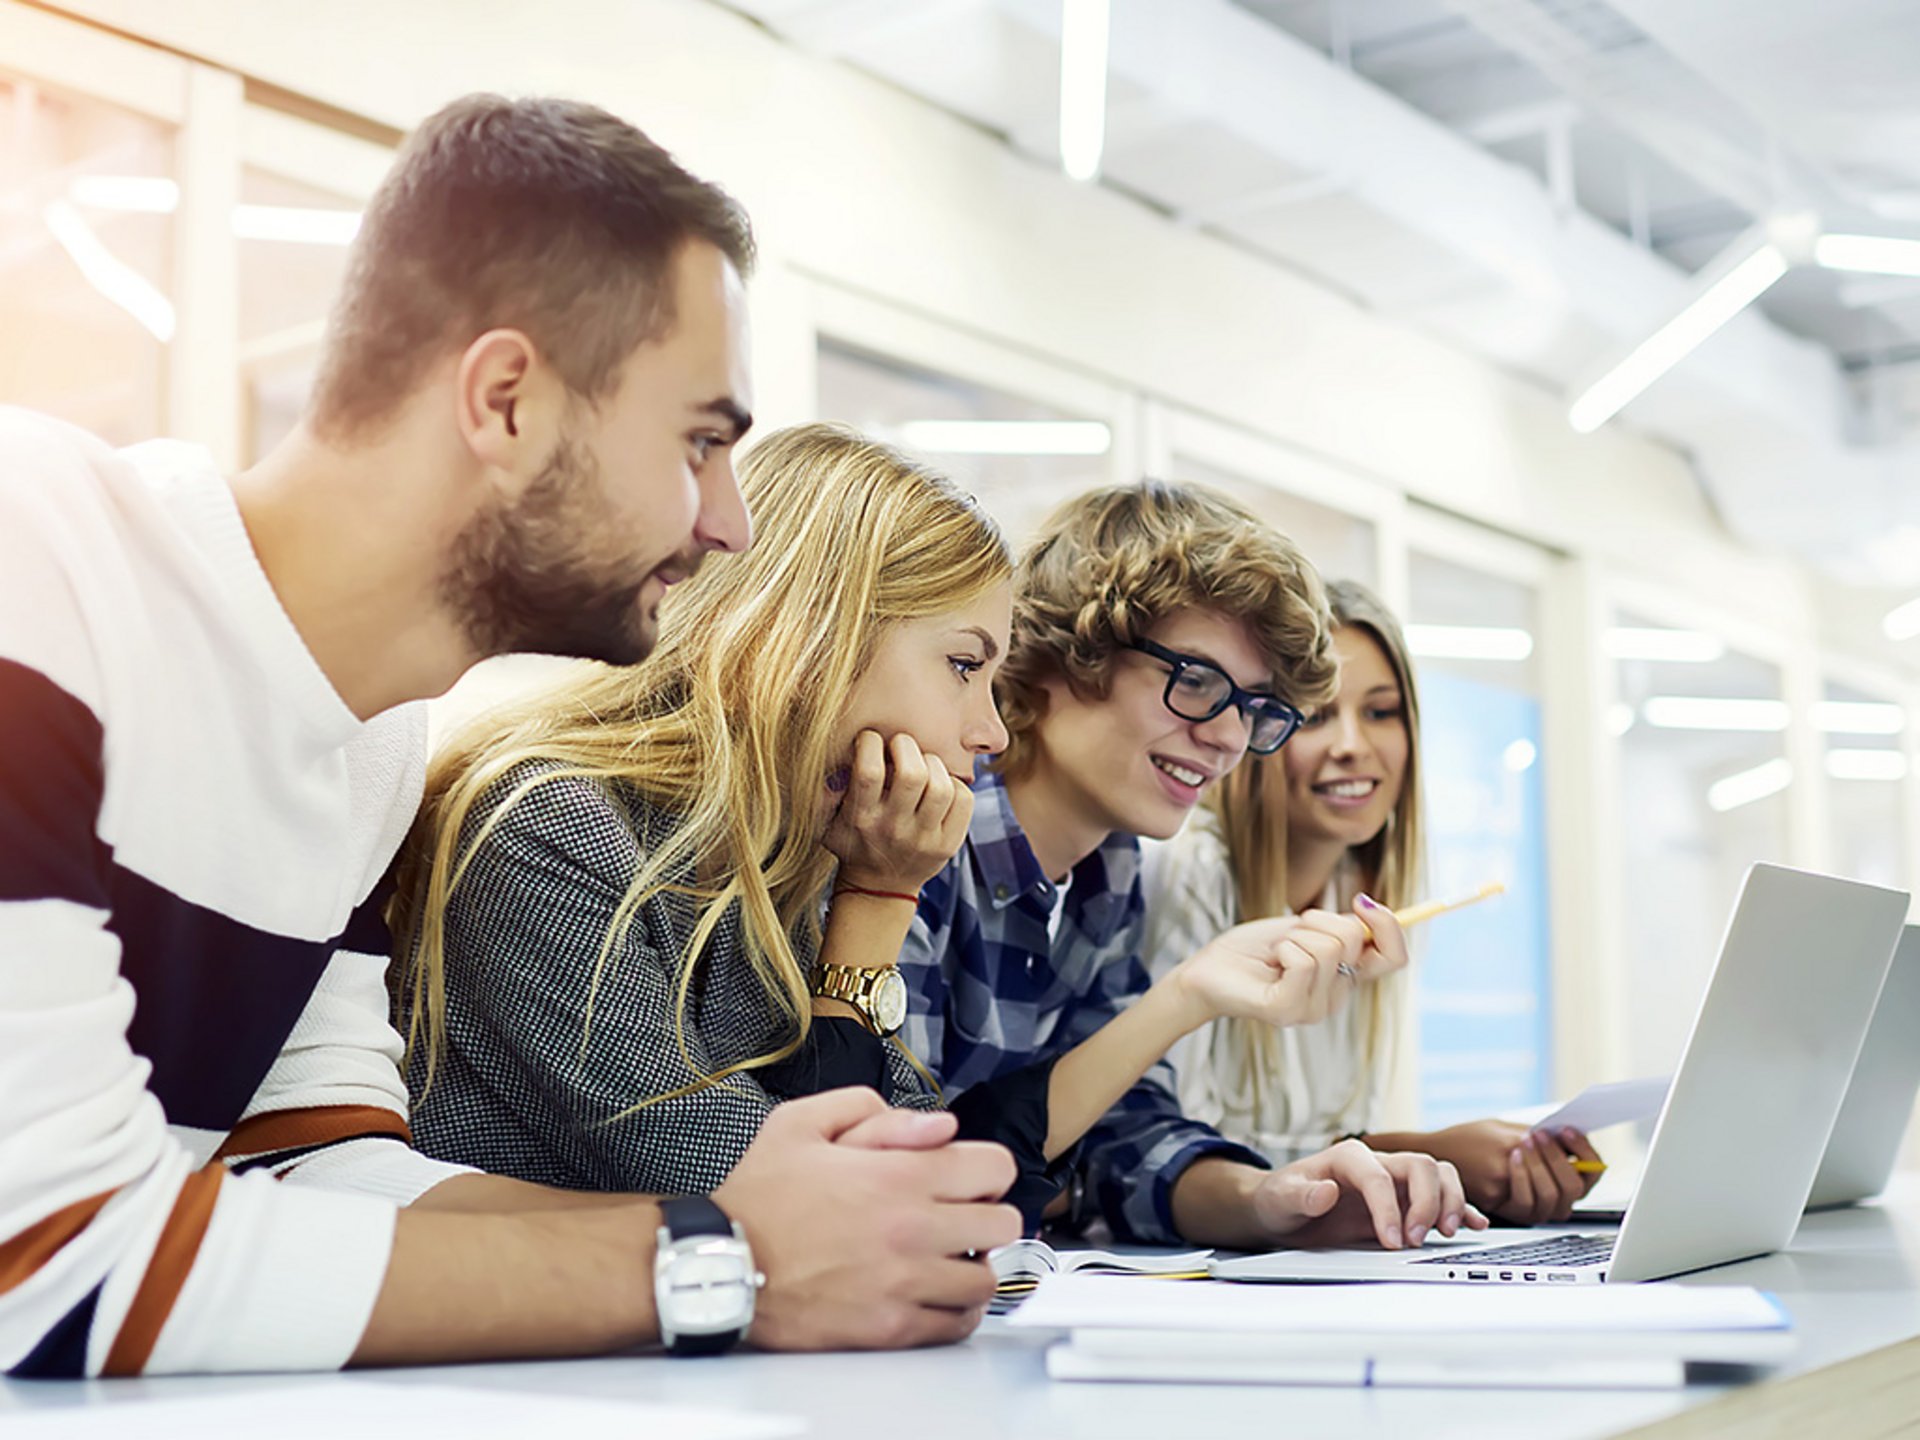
<point>1021,1266</point>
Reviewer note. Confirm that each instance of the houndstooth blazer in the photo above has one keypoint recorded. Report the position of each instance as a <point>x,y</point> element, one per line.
<point>525,1087</point>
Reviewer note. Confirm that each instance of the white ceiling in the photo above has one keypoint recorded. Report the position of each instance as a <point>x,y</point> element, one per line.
<point>1532,180</point>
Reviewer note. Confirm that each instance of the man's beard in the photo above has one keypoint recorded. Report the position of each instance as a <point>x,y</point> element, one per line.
<point>520,577</point>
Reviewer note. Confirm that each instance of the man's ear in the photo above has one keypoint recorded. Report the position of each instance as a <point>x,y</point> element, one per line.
<point>507,406</point>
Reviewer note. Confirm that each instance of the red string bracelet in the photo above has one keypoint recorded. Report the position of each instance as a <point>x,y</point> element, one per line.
<point>845,889</point>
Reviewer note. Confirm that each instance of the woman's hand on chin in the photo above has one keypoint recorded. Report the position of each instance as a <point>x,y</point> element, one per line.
<point>903,816</point>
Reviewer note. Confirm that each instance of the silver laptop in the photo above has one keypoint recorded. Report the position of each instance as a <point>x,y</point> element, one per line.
<point>1865,1144</point>
<point>1873,1118</point>
<point>1745,1123</point>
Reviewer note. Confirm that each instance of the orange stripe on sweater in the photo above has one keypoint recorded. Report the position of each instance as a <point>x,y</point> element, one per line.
<point>316,1125</point>
<point>167,1271</point>
<point>26,1252</point>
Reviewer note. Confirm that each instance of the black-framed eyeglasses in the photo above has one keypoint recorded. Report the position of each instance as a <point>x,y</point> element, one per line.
<point>1199,690</point>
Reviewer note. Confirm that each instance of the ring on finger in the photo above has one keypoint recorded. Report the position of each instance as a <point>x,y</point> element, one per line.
<point>1347,971</point>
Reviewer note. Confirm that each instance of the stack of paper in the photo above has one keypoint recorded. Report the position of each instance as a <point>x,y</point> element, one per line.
<point>1601,1336</point>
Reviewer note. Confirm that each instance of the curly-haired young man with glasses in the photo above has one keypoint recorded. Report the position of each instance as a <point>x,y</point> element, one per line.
<point>1160,632</point>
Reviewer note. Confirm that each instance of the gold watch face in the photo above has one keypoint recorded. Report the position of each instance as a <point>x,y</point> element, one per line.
<point>888,1002</point>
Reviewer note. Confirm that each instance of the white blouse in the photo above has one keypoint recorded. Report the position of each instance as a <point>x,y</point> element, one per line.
<point>1285,1092</point>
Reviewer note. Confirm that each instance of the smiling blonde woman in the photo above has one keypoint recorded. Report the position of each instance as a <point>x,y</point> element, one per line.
<point>1335,815</point>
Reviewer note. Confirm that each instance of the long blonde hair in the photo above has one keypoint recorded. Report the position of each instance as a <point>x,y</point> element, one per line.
<point>728,726</point>
<point>1251,806</point>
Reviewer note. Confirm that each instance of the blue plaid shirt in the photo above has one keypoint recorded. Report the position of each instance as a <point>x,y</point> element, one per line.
<point>991,991</point>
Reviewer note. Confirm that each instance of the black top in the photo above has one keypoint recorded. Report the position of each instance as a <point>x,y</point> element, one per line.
<point>527,1087</point>
<point>1010,1109</point>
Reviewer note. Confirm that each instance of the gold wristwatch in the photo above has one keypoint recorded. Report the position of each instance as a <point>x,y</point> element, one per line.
<point>879,995</point>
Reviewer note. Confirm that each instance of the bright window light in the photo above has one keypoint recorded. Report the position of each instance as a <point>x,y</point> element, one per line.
<point>1858,717</point>
<point>1866,765</point>
<point>1902,622</point>
<point>296,224</point>
<point>1469,642</point>
<point>151,195</point>
<point>1636,642</point>
<point>1007,437</point>
<point>118,281</point>
<point>1724,298</point>
<point>1747,786</point>
<point>1688,712</point>
<point>1877,254</point>
<point>1083,85</point>
<point>1520,756</point>
<point>145,194</point>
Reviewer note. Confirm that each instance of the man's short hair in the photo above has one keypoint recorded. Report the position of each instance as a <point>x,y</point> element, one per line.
<point>1109,565</point>
<point>546,216</point>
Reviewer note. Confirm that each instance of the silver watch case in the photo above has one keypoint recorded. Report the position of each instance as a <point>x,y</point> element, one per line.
<point>704,1284</point>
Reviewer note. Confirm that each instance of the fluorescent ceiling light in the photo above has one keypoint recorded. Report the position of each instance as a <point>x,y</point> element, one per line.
<point>1007,437</point>
<point>1902,622</point>
<point>153,195</point>
<point>1635,642</point>
<point>145,194</point>
<point>1866,765</point>
<point>1084,26</point>
<point>1740,275</point>
<point>1877,254</point>
<point>1469,642</point>
<point>1858,717</point>
<point>108,273</point>
<point>1747,786</point>
<point>1687,712</point>
<point>1520,755</point>
<point>296,224</point>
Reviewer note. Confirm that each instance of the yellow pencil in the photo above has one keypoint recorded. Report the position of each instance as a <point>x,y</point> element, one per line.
<point>1589,1167</point>
<point>1426,910</point>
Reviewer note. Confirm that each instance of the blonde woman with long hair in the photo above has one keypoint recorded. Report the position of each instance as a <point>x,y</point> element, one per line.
<point>611,911</point>
<point>1333,816</point>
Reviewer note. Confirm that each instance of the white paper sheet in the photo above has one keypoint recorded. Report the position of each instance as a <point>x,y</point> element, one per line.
<point>1096,1302</point>
<point>351,1407</point>
<point>1615,1103</point>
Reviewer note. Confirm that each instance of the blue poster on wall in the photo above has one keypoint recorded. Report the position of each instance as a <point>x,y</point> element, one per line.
<point>1483,975</point>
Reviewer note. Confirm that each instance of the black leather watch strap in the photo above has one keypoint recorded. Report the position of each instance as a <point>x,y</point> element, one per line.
<point>694,1215</point>
<point>704,1344</point>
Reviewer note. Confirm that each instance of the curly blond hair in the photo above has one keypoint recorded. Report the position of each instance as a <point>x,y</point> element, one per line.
<point>1110,564</point>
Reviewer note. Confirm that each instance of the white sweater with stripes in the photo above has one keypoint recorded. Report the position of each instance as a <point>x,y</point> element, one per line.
<point>203,1138</point>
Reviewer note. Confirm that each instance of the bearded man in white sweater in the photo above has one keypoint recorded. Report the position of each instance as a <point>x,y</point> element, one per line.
<point>210,748</point>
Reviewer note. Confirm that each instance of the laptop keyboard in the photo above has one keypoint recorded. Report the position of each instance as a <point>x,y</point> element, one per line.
<point>1562,1252</point>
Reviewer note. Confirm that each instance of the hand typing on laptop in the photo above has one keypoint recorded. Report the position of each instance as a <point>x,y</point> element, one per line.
<point>1345,1195</point>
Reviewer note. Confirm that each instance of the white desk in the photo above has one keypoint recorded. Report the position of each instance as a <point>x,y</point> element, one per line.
<point>1852,1281</point>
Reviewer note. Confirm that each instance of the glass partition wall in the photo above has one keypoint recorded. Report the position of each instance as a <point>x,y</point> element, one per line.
<point>1864,740</point>
<point>1704,774</point>
<point>1021,457</point>
<point>87,202</point>
<point>293,256</point>
<point>1482,975</point>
